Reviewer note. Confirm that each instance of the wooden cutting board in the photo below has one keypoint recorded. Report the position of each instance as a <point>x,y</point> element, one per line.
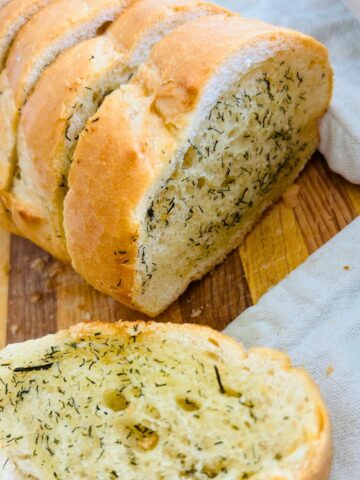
<point>38,295</point>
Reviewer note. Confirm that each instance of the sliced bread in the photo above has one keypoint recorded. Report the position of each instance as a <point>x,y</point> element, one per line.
<point>67,94</point>
<point>142,401</point>
<point>55,28</point>
<point>176,167</point>
<point>12,17</point>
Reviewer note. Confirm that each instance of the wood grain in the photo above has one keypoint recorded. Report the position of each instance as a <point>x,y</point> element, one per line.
<point>272,250</point>
<point>324,207</point>
<point>44,295</point>
<point>32,301</point>
<point>4,282</point>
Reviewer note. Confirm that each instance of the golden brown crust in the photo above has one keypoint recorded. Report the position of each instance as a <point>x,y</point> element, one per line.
<point>9,17</point>
<point>138,17</point>
<point>129,157</point>
<point>113,257</point>
<point>319,466</point>
<point>6,220</point>
<point>3,3</point>
<point>47,112</point>
<point>47,27</point>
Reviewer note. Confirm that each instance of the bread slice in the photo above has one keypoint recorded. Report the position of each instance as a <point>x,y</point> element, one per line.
<point>12,17</point>
<point>144,400</point>
<point>181,163</point>
<point>67,94</point>
<point>55,28</point>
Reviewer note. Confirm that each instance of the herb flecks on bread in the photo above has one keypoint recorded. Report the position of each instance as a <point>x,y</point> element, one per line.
<point>253,139</point>
<point>143,400</point>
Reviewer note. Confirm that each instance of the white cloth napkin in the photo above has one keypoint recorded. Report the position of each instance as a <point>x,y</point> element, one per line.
<point>337,25</point>
<point>314,314</point>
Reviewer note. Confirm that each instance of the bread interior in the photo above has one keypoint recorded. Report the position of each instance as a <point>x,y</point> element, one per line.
<point>249,146</point>
<point>172,405</point>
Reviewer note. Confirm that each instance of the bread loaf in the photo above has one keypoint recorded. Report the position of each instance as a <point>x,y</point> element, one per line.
<point>176,167</point>
<point>67,94</point>
<point>12,17</point>
<point>158,401</point>
<point>55,28</point>
<point>172,169</point>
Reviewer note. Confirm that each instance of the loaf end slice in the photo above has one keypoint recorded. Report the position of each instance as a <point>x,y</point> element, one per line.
<point>188,156</point>
<point>146,400</point>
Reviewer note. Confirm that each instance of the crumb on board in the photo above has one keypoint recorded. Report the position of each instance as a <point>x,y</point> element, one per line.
<point>38,264</point>
<point>35,297</point>
<point>196,312</point>
<point>291,196</point>
<point>87,316</point>
<point>329,370</point>
<point>14,329</point>
<point>346,267</point>
<point>55,269</point>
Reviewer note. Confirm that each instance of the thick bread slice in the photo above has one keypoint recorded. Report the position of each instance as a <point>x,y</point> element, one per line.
<point>67,94</point>
<point>12,17</point>
<point>182,162</point>
<point>55,28</point>
<point>143,400</point>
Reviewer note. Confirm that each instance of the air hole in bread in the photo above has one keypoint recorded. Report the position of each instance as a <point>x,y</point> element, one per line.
<point>187,404</point>
<point>201,182</point>
<point>214,342</point>
<point>115,400</point>
<point>188,158</point>
<point>102,29</point>
<point>213,356</point>
<point>140,436</point>
<point>217,469</point>
<point>136,392</point>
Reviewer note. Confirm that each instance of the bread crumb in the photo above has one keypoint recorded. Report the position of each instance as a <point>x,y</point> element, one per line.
<point>35,298</point>
<point>290,196</point>
<point>329,370</point>
<point>14,329</point>
<point>196,312</point>
<point>346,267</point>
<point>38,264</point>
<point>55,269</point>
